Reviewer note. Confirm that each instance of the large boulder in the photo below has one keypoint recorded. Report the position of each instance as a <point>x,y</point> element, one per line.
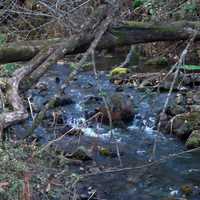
<point>185,123</point>
<point>194,140</point>
<point>121,109</point>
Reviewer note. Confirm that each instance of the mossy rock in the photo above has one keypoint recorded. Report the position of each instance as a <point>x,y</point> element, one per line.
<point>158,61</point>
<point>186,189</point>
<point>119,71</point>
<point>185,123</point>
<point>194,140</point>
<point>104,151</point>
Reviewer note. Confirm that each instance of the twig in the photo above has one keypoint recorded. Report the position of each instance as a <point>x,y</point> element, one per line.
<point>92,195</point>
<point>31,108</point>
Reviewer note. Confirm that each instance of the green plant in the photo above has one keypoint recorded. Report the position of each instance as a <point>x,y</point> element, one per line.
<point>190,7</point>
<point>137,3</point>
<point>2,39</point>
<point>8,69</point>
<point>150,5</point>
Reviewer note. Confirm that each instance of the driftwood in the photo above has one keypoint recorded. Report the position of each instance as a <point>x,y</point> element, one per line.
<point>126,33</point>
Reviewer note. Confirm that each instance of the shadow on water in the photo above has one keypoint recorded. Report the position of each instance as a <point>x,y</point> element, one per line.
<point>135,142</point>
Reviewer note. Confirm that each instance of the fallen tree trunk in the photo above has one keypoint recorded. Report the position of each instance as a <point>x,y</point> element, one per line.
<point>25,50</point>
<point>125,34</point>
<point>39,64</point>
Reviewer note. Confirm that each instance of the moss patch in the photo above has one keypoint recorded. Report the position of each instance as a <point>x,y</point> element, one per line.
<point>194,140</point>
<point>119,71</point>
<point>8,69</point>
<point>161,61</point>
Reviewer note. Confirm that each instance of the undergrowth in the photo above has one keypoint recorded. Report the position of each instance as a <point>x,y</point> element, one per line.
<point>49,174</point>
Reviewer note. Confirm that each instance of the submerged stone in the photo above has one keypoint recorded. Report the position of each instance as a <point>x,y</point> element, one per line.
<point>42,87</point>
<point>91,99</point>
<point>186,189</point>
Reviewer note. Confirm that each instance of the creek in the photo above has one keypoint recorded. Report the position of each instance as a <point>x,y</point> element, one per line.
<point>135,141</point>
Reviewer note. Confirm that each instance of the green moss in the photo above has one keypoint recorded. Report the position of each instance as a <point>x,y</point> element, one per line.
<point>72,65</point>
<point>87,66</point>
<point>12,167</point>
<point>194,140</point>
<point>104,151</point>
<point>8,69</point>
<point>119,71</point>
<point>191,118</point>
<point>121,35</point>
<point>155,27</point>
<point>135,24</point>
<point>2,39</point>
<point>157,61</point>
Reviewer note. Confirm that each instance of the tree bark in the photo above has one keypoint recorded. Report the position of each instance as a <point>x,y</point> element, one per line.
<point>128,33</point>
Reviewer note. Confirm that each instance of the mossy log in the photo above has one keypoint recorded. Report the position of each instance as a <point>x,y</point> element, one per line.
<point>127,33</point>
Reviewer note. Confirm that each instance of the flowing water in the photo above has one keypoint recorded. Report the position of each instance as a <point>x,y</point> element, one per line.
<point>135,142</point>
